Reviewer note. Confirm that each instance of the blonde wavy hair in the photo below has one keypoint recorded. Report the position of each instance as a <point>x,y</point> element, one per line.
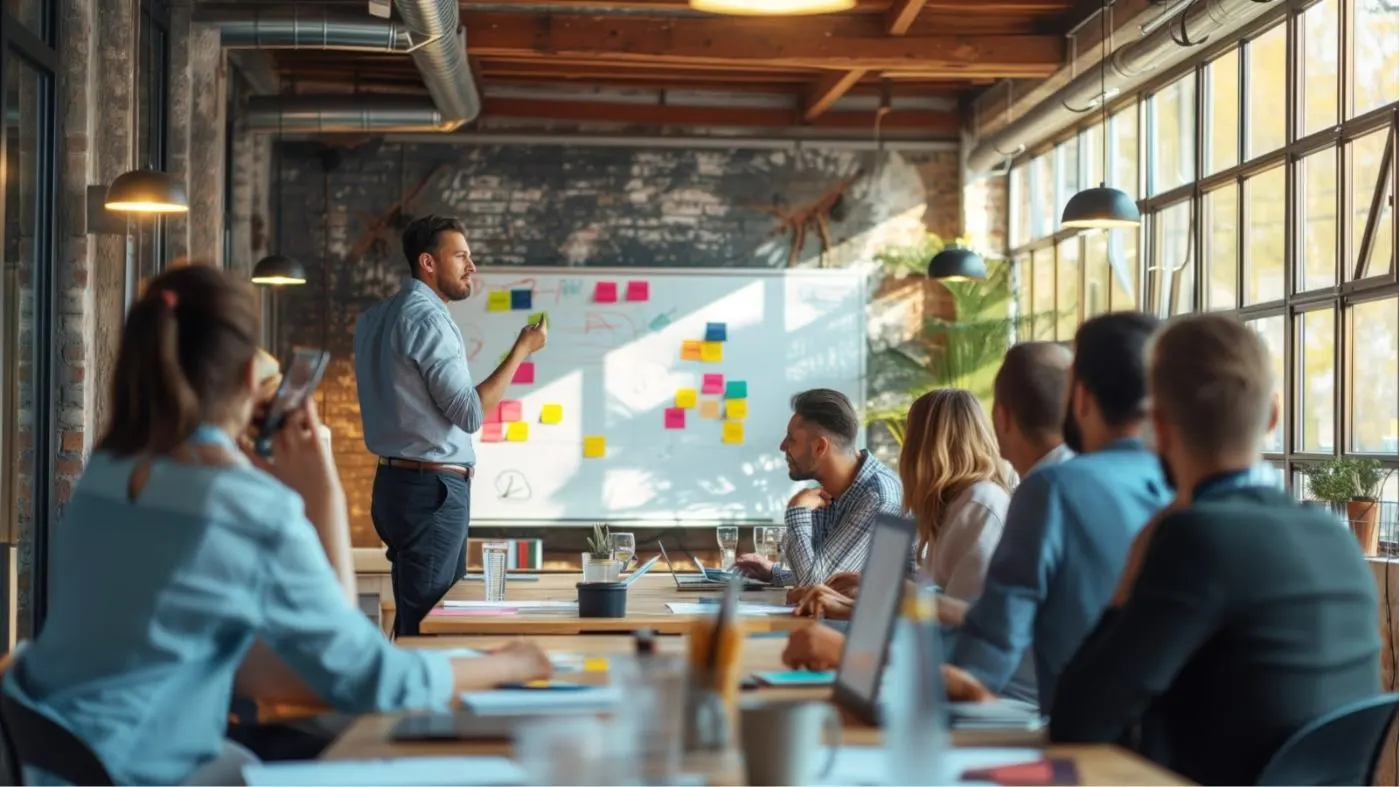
<point>948,447</point>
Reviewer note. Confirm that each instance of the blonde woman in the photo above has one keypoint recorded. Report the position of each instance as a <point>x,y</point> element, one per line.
<point>957,489</point>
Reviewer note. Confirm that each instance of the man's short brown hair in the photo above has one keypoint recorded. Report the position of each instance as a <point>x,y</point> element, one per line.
<point>1032,384</point>
<point>1211,377</point>
<point>829,411</point>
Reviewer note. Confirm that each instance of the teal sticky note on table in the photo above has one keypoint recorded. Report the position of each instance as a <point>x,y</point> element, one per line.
<point>796,678</point>
<point>736,389</point>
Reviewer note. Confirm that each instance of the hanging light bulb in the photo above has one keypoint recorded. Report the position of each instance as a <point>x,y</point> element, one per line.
<point>772,7</point>
<point>1103,207</point>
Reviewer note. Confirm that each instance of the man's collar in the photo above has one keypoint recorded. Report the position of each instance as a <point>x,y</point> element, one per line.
<point>415,287</point>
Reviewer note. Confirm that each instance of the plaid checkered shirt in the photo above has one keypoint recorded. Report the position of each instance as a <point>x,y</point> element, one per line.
<point>836,537</point>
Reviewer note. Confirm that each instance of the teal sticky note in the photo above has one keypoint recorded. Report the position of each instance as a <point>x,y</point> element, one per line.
<point>736,389</point>
<point>796,678</point>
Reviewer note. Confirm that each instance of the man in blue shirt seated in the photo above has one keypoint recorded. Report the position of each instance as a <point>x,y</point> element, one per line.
<point>1070,524</point>
<point>420,407</point>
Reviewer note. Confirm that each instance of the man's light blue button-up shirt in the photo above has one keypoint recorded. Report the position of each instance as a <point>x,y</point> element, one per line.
<point>417,398</point>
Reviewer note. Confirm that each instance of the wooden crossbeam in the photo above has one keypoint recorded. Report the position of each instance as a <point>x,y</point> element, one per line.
<point>850,42</point>
<point>902,14</point>
<point>935,123</point>
<point>827,90</point>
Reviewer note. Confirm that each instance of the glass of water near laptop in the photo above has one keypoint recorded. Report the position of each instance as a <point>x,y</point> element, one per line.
<point>728,538</point>
<point>768,543</point>
<point>493,565</point>
<point>624,549</point>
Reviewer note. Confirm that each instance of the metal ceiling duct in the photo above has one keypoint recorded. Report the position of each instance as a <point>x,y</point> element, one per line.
<point>1128,67</point>
<point>430,33</point>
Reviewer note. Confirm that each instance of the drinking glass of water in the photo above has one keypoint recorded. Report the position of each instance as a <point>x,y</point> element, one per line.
<point>728,538</point>
<point>624,546</point>
<point>493,564</point>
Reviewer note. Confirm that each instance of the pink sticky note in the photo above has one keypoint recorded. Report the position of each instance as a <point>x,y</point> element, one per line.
<point>712,384</point>
<point>524,374</point>
<point>492,432</point>
<point>605,292</point>
<point>638,291</point>
<point>510,411</point>
<point>675,418</point>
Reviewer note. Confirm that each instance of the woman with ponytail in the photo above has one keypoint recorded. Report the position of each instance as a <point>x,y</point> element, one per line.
<point>177,553</point>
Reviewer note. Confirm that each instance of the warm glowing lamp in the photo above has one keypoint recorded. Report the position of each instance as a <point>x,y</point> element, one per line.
<point>146,191</point>
<point>278,269</point>
<point>772,7</point>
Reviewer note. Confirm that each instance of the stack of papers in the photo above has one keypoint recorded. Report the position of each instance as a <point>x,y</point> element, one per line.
<point>745,608</point>
<point>538,702</point>
<point>398,772</point>
<point>507,605</point>
<point>867,765</point>
<point>563,662</point>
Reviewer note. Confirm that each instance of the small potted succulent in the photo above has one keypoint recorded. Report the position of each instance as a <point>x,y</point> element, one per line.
<point>1353,488</point>
<point>599,565</point>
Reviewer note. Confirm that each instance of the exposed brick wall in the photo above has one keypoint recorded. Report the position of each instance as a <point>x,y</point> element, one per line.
<point>577,206</point>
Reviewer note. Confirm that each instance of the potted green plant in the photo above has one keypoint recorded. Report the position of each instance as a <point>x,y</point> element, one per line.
<point>598,562</point>
<point>1353,488</point>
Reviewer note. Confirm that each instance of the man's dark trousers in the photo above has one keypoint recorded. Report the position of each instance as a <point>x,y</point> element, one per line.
<point>422,516</point>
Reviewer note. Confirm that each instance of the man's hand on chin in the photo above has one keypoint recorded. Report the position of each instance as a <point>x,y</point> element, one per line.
<point>815,647</point>
<point>810,499</point>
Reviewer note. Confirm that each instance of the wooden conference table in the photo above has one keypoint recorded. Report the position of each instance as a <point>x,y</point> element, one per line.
<point>368,737</point>
<point>646,609</point>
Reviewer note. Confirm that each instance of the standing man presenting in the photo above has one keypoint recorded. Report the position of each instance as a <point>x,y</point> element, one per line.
<point>419,407</point>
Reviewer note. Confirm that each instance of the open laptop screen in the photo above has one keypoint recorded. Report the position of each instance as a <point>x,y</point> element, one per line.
<point>872,620</point>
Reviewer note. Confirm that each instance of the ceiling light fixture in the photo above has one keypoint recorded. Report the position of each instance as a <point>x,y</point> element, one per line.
<point>1102,207</point>
<point>144,190</point>
<point>772,7</point>
<point>956,263</point>
<point>278,269</point>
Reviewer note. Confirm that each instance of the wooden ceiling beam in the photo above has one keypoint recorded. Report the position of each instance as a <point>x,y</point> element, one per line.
<point>826,91</point>
<point>862,6</point>
<point>848,43</point>
<point>901,16</point>
<point>941,123</point>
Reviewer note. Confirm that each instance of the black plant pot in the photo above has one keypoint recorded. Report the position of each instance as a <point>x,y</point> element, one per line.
<point>602,600</point>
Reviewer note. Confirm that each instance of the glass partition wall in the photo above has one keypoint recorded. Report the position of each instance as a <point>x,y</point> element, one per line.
<point>1266,174</point>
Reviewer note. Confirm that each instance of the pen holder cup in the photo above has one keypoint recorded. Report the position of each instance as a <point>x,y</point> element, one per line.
<point>602,600</point>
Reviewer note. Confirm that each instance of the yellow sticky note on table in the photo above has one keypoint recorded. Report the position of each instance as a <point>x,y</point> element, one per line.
<point>685,397</point>
<point>595,664</point>
<point>498,301</point>
<point>736,408</point>
<point>690,350</point>
<point>709,408</point>
<point>517,432</point>
<point>551,413</point>
<point>595,447</point>
<point>733,432</point>
<point>711,352</point>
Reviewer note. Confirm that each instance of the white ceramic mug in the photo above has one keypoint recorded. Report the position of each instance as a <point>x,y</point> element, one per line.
<point>783,741</point>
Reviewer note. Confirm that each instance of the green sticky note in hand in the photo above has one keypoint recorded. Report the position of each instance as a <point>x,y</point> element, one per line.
<point>539,318</point>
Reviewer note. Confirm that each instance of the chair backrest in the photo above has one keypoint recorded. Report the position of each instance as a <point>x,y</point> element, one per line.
<point>39,742</point>
<point>1341,747</point>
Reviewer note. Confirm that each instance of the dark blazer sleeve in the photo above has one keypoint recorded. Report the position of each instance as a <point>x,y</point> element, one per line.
<point>1176,605</point>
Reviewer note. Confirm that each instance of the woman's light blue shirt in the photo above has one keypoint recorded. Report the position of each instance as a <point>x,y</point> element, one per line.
<point>154,604</point>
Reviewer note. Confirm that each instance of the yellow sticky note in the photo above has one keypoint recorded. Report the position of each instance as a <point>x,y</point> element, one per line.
<point>517,432</point>
<point>498,301</point>
<point>711,352</point>
<point>595,447</point>
<point>733,432</point>
<point>595,664</point>
<point>685,397</point>
<point>690,351</point>
<point>551,413</point>
<point>736,408</point>
<point>709,408</point>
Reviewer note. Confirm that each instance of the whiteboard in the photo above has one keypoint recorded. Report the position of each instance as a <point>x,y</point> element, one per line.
<point>614,369</point>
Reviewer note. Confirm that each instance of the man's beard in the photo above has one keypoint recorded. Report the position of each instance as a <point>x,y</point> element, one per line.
<point>1074,437</point>
<point>796,473</point>
<point>458,291</point>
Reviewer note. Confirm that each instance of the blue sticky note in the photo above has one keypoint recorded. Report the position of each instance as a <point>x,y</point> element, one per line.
<point>736,389</point>
<point>797,678</point>
<point>520,299</point>
<point>716,332</point>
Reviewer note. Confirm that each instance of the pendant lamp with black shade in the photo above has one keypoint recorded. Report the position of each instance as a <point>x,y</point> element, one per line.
<point>956,263</point>
<point>144,190</point>
<point>278,269</point>
<point>1102,207</point>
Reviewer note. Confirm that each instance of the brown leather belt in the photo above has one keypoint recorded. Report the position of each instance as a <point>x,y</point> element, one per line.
<point>465,471</point>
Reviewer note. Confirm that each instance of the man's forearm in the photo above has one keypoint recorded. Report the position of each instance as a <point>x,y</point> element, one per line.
<point>493,389</point>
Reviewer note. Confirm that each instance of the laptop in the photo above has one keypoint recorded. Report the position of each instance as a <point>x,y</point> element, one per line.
<point>706,578</point>
<point>866,652</point>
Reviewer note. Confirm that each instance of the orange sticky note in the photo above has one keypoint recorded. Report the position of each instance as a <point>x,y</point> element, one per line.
<point>733,432</point>
<point>736,408</point>
<point>595,447</point>
<point>711,352</point>
<point>690,350</point>
<point>685,398</point>
<point>517,432</point>
<point>709,408</point>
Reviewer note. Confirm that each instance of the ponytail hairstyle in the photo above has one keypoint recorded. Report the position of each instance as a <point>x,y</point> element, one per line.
<point>184,359</point>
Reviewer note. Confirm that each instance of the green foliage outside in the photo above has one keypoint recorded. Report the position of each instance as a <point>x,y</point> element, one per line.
<point>964,352</point>
<point>1343,479</point>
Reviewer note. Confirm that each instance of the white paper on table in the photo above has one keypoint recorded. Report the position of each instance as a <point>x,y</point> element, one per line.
<point>511,604</point>
<point>535,702</point>
<point>397,772</point>
<point>867,765</point>
<point>744,608</point>
<point>563,662</point>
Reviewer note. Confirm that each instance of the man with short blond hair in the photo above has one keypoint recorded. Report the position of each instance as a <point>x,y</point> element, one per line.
<point>1241,615</point>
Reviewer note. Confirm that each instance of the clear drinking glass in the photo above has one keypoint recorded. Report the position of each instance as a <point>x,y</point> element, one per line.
<point>728,538</point>
<point>624,546</point>
<point>493,565</point>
